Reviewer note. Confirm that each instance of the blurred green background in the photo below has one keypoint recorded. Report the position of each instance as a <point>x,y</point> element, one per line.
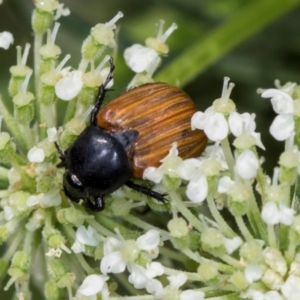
<point>272,51</point>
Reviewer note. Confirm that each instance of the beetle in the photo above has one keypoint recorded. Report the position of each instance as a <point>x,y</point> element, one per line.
<point>129,134</point>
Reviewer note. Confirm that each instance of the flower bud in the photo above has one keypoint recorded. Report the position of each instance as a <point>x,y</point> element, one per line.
<point>59,272</point>
<point>19,265</point>
<point>42,17</point>
<point>87,95</point>
<point>171,183</point>
<point>17,202</point>
<point>211,167</point>
<point>275,193</point>
<point>178,227</point>
<point>212,241</point>
<point>208,272</point>
<point>70,216</point>
<point>51,291</point>
<point>251,252</point>
<point>238,279</point>
<point>72,129</point>
<point>53,237</point>
<point>120,207</point>
<point>7,149</point>
<point>288,171</point>
<point>238,201</point>
<point>24,107</point>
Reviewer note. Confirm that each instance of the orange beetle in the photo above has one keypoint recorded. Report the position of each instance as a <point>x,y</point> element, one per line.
<point>131,133</point>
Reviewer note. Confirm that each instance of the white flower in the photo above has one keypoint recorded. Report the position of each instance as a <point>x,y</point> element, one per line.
<point>69,86</point>
<point>247,164</point>
<point>61,11</point>
<point>6,39</point>
<point>140,58</point>
<point>144,278</point>
<point>36,155</point>
<point>85,236</point>
<point>244,124</point>
<point>273,214</point>
<point>217,153</point>
<point>212,123</point>
<point>91,286</point>
<point>283,104</point>
<point>224,184</point>
<point>119,253</point>
<point>189,168</point>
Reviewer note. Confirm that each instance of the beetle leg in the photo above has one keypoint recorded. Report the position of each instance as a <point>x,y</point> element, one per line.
<point>61,155</point>
<point>101,93</point>
<point>97,205</point>
<point>144,190</point>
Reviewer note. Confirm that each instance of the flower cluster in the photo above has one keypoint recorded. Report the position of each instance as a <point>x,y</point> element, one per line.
<point>182,249</point>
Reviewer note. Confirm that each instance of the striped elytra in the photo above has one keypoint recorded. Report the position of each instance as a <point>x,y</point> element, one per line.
<point>161,114</point>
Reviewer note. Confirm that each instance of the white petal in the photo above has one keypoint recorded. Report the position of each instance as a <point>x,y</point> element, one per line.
<point>77,247</point>
<point>258,141</point>
<point>282,127</point>
<point>247,164</point>
<point>282,102</point>
<point>197,189</point>
<point>253,273</point>
<point>198,120</point>
<point>270,213</point>
<point>154,286</point>
<point>224,184</point>
<point>111,244</point>
<point>286,215</point>
<point>232,244</point>
<point>238,123</point>
<point>6,39</point>
<point>34,200</point>
<point>176,281</point>
<point>140,58</point>
<point>191,295</point>
<point>153,174</point>
<point>52,134</point>
<point>188,167</point>
<point>138,276</point>
<point>112,263</point>
<point>149,240</point>
<point>216,127</point>
<point>87,236</point>
<point>91,285</point>
<point>36,155</point>
<point>154,269</point>
<point>69,87</point>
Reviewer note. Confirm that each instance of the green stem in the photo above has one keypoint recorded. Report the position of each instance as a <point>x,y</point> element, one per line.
<point>243,228</point>
<point>223,226</point>
<point>248,20</point>
<point>231,261</point>
<point>190,276</point>
<point>228,156</point>
<point>185,211</point>
<point>101,229</point>
<point>144,225</point>
<point>272,237</point>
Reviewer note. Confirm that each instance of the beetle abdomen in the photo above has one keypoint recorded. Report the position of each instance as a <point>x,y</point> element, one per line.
<point>161,113</point>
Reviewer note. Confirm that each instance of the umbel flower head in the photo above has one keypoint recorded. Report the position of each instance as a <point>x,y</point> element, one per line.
<point>175,251</point>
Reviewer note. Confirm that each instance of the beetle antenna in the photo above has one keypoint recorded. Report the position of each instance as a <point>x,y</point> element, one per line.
<point>102,92</point>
